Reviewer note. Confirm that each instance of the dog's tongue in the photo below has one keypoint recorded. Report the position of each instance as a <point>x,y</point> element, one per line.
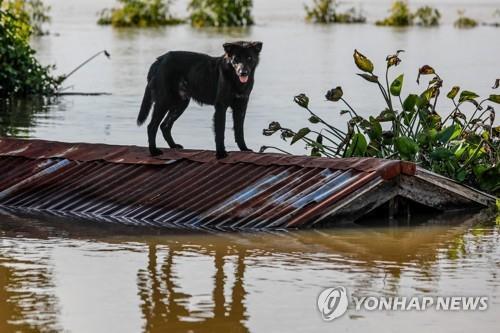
<point>243,79</point>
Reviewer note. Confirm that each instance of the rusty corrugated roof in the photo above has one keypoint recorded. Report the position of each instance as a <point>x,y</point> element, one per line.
<point>187,188</point>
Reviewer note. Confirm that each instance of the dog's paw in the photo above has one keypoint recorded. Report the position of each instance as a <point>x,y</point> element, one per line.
<point>221,154</point>
<point>247,149</point>
<point>155,151</point>
<point>177,146</point>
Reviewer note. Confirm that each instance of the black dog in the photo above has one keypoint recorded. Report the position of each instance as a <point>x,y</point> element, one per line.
<point>225,81</point>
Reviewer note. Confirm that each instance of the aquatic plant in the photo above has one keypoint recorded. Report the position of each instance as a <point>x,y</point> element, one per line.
<point>220,13</point>
<point>139,13</point>
<point>462,144</point>
<point>326,11</point>
<point>464,22</point>
<point>400,15</point>
<point>20,72</point>
<point>427,16</point>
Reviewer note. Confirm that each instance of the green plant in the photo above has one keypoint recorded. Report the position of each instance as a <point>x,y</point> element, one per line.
<point>461,144</point>
<point>139,13</point>
<point>326,11</point>
<point>20,72</point>
<point>220,13</point>
<point>33,12</point>
<point>427,16</point>
<point>400,15</point>
<point>464,22</point>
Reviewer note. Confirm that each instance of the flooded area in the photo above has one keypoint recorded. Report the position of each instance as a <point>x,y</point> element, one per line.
<point>80,277</point>
<point>61,275</point>
<point>297,57</point>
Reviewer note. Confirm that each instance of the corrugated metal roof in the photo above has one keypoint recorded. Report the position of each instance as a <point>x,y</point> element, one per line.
<point>187,188</point>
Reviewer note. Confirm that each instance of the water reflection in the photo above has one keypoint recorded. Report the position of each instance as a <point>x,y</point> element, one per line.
<point>18,117</point>
<point>232,282</point>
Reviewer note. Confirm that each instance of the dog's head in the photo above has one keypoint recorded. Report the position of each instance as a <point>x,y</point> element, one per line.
<point>243,57</point>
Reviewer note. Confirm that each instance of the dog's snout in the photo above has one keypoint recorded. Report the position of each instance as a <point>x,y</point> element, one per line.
<point>243,72</point>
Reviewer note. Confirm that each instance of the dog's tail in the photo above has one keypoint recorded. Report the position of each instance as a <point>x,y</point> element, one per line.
<point>147,100</point>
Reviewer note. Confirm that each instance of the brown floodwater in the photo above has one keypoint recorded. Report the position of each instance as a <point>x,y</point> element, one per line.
<point>61,275</point>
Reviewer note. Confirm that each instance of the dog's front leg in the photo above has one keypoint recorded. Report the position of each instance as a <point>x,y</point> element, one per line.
<point>239,113</point>
<point>219,128</point>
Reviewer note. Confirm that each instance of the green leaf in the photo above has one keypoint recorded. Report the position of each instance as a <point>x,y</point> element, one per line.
<point>396,85</point>
<point>495,99</point>
<point>375,131</point>
<point>410,102</point>
<point>363,62</point>
<point>467,95</point>
<point>441,154</point>
<point>369,77</point>
<point>386,115</point>
<point>449,133</point>
<point>314,120</point>
<point>453,92</point>
<point>300,134</point>
<point>357,146</point>
<point>406,147</point>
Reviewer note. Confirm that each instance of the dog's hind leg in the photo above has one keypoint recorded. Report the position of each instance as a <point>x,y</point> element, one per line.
<point>160,109</point>
<point>166,126</point>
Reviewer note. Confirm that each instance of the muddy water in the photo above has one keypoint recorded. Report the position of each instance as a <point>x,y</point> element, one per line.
<point>77,277</point>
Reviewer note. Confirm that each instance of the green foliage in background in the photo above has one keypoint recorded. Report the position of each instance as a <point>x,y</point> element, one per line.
<point>427,16</point>
<point>139,13</point>
<point>462,144</point>
<point>402,16</point>
<point>20,72</point>
<point>326,11</point>
<point>220,13</point>
<point>464,22</point>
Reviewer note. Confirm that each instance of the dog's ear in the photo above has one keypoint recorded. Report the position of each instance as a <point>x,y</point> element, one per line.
<point>257,46</point>
<point>229,48</point>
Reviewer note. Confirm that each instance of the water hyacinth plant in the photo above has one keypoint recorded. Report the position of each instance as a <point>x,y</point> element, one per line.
<point>402,16</point>
<point>327,11</point>
<point>220,13</point>
<point>462,144</point>
<point>464,22</point>
<point>139,13</point>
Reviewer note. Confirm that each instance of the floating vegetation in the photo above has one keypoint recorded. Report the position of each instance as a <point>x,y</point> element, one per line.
<point>220,13</point>
<point>464,22</point>
<point>462,143</point>
<point>139,13</point>
<point>402,16</point>
<point>326,11</point>
<point>427,16</point>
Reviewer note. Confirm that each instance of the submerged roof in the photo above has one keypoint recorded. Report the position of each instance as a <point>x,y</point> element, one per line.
<point>190,188</point>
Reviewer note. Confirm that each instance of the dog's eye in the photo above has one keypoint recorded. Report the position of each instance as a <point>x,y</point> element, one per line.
<point>250,58</point>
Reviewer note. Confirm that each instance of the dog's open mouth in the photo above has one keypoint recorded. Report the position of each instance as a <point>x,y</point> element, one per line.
<point>243,78</point>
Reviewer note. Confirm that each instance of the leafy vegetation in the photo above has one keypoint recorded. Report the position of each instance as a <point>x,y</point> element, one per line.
<point>326,11</point>
<point>20,72</point>
<point>33,12</point>
<point>402,16</point>
<point>220,13</point>
<point>462,144</point>
<point>427,16</point>
<point>139,13</point>
<point>464,22</point>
